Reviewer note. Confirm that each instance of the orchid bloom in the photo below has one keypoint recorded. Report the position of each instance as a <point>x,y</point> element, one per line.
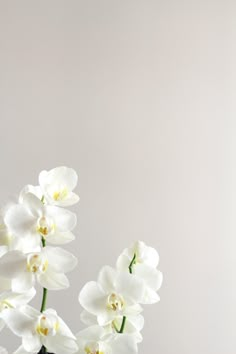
<point>141,261</point>
<point>115,294</point>
<point>57,186</point>
<point>40,329</point>
<point>133,324</point>
<point>10,300</point>
<point>34,221</point>
<point>94,340</point>
<point>46,267</point>
<point>111,305</point>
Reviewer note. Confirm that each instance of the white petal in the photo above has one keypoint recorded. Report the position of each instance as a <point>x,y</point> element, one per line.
<point>106,279</point>
<point>3,250</point>
<point>133,310</point>
<point>87,318</point>
<point>137,322</point>
<point>19,220</point>
<point>62,238</point>
<point>19,323</point>
<point>33,205</point>
<point>71,199</point>
<point>17,300</point>
<point>150,297</point>
<point>21,350</point>
<point>152,277</point>
<point>123,262</point>
<point>64,330</point>
<point>29,243</point>
<point>64,219</point>
<point>30,311</point>
<point>36,190</point>
<point>12,264</point>
<point>60,260</point>
<point>124,344</point>
<point>60,344</point>
<point>32,343</point>
<point>92,298</point>
<point>93,333</point>
<point>106,317</point>
<point>5,284</point>
<point>59,176</point>
<point>150,256</point>
<point>133,325</point>
<point>43,178</point>
<point>53,281</point>
<point>24,282</point>
<point>130,287</point>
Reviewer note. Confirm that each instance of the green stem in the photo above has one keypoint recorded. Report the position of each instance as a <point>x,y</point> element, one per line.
<point>45,291</point>
<point>43,242</point>
<point>132,263</point>
<point>44,300</point>
<point>122,325</point>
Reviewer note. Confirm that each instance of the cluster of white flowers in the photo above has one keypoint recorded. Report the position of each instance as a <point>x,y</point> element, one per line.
<point>112,305</point>
<point>27,227</point>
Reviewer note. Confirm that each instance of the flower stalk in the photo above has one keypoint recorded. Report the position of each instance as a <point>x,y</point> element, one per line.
<point>45,291</point>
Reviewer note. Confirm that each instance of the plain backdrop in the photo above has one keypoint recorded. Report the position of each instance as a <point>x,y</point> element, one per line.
<point>138,97</point>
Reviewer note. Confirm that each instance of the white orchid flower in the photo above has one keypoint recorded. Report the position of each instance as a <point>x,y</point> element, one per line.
<point>94,340</point>
<point>40,329</point>
<point>33,220</point>
<point>115,294</point>
<point>141,261</point>
<point>133,325</point>
<point>46,267</point>
<point>57,186</point>
<point>10,300</point>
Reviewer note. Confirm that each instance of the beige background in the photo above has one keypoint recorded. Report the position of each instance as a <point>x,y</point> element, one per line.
<point>138,97</point>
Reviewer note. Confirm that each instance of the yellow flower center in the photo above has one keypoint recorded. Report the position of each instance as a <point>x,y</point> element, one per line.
<point>46,327</point>
<point>35,264</point>
<point>93,348</point>
<point>45,226</point>
<point>115,302</point>
<point>60,194</point>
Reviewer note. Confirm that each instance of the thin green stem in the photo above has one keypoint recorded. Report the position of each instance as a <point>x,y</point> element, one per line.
<point>44,300</point>
<point>122,325</point>
<point>45,291</point>
<point>132,263</point>
<point>43,242</point>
